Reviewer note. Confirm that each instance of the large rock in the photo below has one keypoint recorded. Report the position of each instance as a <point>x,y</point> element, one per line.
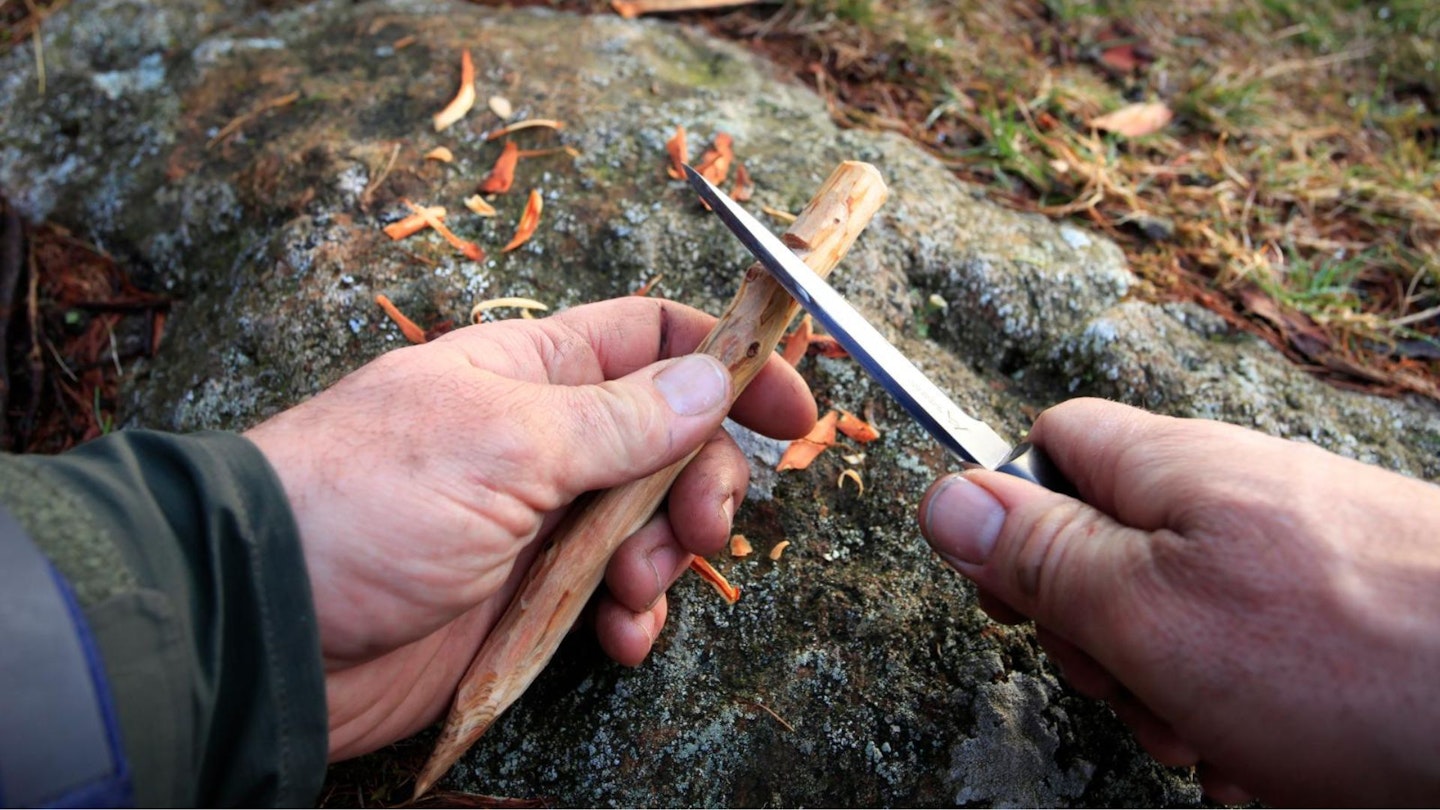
<point>887,685</point>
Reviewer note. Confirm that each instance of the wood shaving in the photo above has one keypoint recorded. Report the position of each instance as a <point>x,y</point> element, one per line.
<point>707,572</point>
<point>714,165</point>
<point>778,550</point>
<point>529,220</point>
<point>1135,120</point>
<point>853,476</point>
<point>798,341</point>
<point>856,428</point>
<point>740,547</point>
<point>679,154</point>
<point>413,224</point>
<point>776,213</point>
<point>464,99</point>
<point>648,286</point>
<point>408,328</point>
<point>477,204</point>
<point>501,107</point>
<point>472,251</point>
<point>441,153</point>
<point>744,187</point>
<point>502,174</point>
<point>630,9</point>
<point>802,452</point>
<point>523,304</point>
<point>548,123</point>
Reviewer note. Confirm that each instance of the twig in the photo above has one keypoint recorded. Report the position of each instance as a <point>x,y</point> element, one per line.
<point>39,45</point>
<point>12,258</point>
<point>240,121</point>
<point>771,712</point>
<point>567,572</point>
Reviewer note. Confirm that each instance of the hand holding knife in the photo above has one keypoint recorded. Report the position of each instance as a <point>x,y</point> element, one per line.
<point>969,439</point>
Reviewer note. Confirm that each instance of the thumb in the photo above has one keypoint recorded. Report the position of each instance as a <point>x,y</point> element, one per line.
<point>623,429</point>
<point>1050,557</point>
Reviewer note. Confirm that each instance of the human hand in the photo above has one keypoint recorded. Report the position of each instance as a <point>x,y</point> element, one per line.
<point>424,484</point>
<point>1260,607</point>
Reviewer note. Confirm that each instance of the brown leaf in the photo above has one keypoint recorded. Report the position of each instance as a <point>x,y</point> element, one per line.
<point>1135,120</point>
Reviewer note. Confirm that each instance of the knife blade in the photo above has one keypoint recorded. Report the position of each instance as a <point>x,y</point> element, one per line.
<point>969,439</point>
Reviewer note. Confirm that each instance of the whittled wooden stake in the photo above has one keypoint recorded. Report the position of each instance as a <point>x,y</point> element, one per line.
<point>567,572</point>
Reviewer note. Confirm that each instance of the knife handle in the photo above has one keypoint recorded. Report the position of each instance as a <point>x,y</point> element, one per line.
<point>1030,462</point>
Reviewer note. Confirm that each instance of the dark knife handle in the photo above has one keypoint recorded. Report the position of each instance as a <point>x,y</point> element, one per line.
<point>1030,462</point>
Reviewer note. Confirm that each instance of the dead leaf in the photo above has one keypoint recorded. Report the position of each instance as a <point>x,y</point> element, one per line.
<point>464,99</point>
<point>502,174</point>
<point>1135,120</point>
<point>529,220</point>
<point>802,452</point>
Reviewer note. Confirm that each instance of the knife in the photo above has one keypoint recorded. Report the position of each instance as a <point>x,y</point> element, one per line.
<point>971,440</point>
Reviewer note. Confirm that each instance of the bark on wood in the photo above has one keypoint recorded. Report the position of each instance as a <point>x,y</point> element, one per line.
<point>566,573</point>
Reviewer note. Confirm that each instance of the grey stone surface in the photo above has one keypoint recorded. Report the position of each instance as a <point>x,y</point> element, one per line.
<point>889,685</point>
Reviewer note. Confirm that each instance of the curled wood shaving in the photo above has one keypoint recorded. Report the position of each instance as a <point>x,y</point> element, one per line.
<point>501,107</point>
<point>408,328</point>
<point>548,123</point>
<point>783,216</point>
<point>853,476</point>
<point>502,175</point>
<point>744,187</point>
<point>413,224</point>
<point>441,153</point>
<point>569,150</point>
<point>827,346</point>
<point>740,547</point>
<point>403,42</point>
<point>529,220</point>
<point>714,165</point>
<point>728,592</point>
<point>472,251</point>
<point>798,341</point>
<point>803,451</point>
<point>477,204</point>
<point>523,304</point>
<point>856,428</point>
<point>648,286</point>
<point>630,9</point>
<point>464,99</point>
<point>778,550</point>
<point>679,154</point>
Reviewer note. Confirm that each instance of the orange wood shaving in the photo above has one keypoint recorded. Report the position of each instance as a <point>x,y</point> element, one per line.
<point>472,251</point>
<point>728,592</point>
<point>783,216</point>
<point>856,428</point>
<point>479,206</point>
<point>441,153</point>
<point>502,176</point>
<point>413,224</point>
<point>464,99</point>
<point>827,346</point>
<point>803,451</point>
<point>648,286</point>
<point>778,549</point>
<point>740,547</point>
<point>548,123</point>
<point>798,341</point>
<point>529,220</point>
<point>744,187</point>
<point>408,328</point>
<point>714,165</point>
<point>679,154</point>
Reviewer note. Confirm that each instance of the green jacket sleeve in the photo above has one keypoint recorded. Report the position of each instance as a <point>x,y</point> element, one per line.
<point>184,555</point>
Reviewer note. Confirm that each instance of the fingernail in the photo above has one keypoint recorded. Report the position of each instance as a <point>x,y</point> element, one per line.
<point>694,384</point>
<point>962,521</point>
